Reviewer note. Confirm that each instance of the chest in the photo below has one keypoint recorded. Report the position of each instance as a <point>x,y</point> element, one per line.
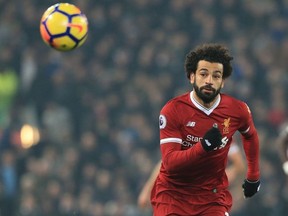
<point>194,124</point>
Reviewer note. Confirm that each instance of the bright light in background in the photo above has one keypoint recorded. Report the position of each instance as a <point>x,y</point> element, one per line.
<point>29,136</point>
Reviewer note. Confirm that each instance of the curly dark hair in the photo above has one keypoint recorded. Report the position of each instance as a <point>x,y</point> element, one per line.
<point>209,52</point>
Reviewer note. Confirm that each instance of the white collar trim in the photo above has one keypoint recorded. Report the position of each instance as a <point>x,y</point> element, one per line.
<point>206,110</point>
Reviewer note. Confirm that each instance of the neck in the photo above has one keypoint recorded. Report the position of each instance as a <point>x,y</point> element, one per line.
<point>200,101</point>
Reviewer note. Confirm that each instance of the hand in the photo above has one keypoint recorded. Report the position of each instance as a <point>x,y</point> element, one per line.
<point>250,188</point>
<point>212,139</point>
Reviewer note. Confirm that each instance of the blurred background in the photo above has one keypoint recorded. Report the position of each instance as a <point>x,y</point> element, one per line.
<point>79,130</point>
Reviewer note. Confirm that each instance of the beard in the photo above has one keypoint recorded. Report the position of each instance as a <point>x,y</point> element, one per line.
<point>206,97</point>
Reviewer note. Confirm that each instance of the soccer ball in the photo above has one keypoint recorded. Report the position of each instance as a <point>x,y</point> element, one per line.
<point>64,27</point>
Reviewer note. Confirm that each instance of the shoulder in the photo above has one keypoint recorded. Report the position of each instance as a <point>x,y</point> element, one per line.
<point>171,110</point>
<point>235,104</point>
<point>231,100</point>
<point>177,102</point>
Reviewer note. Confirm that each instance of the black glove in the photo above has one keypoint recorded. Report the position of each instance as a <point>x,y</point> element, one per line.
<point>250,188</point>
<point>212,139</point>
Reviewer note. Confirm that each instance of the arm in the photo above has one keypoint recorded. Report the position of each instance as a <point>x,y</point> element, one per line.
<point>236,167</point>
<point>237,163</point>
<point>173,158</point>
<point>250,141</point>
<point>251,184</point>
<point>144,196</point>
<point>211,140</point>
<point>251,148</point>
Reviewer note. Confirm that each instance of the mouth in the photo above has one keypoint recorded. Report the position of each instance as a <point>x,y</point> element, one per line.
<point>208,90</point>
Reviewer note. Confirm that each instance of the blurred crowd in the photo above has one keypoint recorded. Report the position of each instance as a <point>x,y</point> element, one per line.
<point>97,107</point>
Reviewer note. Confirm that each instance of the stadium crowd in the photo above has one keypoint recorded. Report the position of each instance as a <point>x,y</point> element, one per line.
<point>97,107</point>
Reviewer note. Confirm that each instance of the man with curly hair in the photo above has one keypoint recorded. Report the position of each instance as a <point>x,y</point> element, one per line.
<point>196,131</point>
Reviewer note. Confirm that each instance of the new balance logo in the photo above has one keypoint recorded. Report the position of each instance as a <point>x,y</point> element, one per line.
<point>191,124</point>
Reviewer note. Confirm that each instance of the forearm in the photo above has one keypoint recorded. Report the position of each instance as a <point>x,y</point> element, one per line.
<point>251,148</point>
<point>150,182</point>
<point>237,167</point>
<point>144,196</point>
<point>175,159</point>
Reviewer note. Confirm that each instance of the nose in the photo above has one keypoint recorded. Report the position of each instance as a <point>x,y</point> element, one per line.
<point>208,79</point>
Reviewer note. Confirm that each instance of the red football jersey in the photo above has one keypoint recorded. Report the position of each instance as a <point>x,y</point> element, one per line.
<point>186,167</point>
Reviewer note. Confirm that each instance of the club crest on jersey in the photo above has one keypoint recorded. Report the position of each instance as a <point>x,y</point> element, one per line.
<point>162,121</point>
<point>226,125</point>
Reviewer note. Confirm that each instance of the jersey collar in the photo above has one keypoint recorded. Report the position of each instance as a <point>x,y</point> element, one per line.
<point>207,111</point>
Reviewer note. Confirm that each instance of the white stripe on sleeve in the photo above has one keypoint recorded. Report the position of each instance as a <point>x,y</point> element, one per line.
<point>169,140</point>
<point>246,131</point>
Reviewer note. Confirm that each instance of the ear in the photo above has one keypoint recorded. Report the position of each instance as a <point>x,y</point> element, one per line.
<point>223,83</point>
<point>192,78</point>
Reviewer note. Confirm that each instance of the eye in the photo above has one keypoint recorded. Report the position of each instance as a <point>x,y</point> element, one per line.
<point>217,76</point>
<point>203,73</point>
